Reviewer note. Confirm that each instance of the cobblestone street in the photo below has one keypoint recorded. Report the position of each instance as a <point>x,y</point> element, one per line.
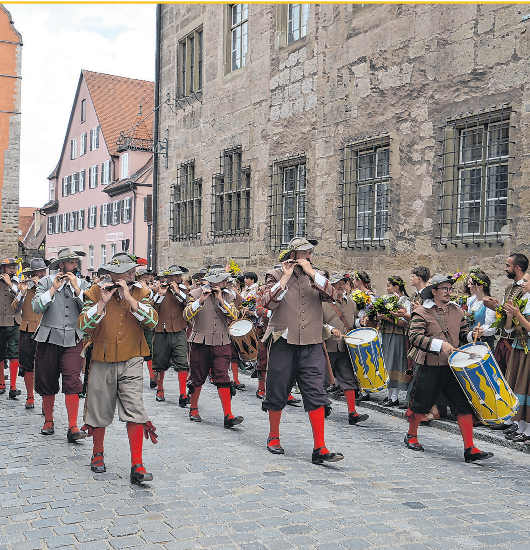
<point>215,488</point>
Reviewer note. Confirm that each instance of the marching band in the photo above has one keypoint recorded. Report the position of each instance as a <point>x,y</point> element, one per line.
<point>450,344</point>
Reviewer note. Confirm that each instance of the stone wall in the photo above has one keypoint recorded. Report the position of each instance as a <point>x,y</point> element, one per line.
<point>10,80</point>
<point>359,72</point>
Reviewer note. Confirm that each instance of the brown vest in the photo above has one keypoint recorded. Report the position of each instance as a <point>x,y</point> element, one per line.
<point>170,314</point>
<point>119,336</point>
<point>453,318</point>
<point>7,316</point>
<point>348,310</point>
<point>210,323</point>
<point>30,320</point>
<point>300,310</point>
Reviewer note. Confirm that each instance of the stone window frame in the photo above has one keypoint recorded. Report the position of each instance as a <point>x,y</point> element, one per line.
<point>365,213</point>
<point>230,29</point>
<point>288,200</point>
<point>476,212</point>
<point>283,36</point>
<point>231,195</point>
<point>190,64</point>
<point>185,209</point>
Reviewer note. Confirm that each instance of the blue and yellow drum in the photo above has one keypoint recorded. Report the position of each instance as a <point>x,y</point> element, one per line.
<point>483,383</point>
<point>367,359</point>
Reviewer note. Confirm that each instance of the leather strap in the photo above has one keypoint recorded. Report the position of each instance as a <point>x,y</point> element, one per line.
<point>340,314</point>
<point>443,326</point>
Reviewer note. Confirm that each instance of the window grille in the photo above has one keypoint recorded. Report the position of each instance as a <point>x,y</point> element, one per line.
<point>238,35</point>
<point>231,195</point>
<point>185,205</point>
<point>297,21</point>
<point>288,200</point>
<point>475,178</point>
<point>365,193</point>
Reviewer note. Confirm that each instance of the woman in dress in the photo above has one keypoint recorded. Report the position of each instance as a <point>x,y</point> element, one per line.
<point>479,286</point>
<point>518,371</point>
<point>394,344</point>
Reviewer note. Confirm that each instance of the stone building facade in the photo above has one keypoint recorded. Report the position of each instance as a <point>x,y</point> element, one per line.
<point>396,135</point>
<point>10,80</point>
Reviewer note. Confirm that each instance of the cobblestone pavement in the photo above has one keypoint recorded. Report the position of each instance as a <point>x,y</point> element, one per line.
<point>217,488</point>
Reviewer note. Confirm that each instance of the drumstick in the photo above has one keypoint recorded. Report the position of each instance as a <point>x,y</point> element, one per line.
<point>472,354</point>
<point>352,338</point>
<point>476,334</point>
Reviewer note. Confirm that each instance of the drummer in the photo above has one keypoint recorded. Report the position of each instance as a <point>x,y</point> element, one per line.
<point>339,316</point>
<point>437,328</point>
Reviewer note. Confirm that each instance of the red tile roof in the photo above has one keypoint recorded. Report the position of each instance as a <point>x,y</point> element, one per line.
<point>25,219</point>
<point>117,101</point>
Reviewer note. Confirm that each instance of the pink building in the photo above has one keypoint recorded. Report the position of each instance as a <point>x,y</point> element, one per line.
<point>101,188</point>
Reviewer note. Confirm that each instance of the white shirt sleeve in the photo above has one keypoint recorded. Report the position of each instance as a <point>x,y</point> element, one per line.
<point>93,310</point>
<point>490,318</point>
<point>46,298</point>
<point>436,345</point>
<point>195,305</point>
<point>320,280</point>
<point>144,308</point>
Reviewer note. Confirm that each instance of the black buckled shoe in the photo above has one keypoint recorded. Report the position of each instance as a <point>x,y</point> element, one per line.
<point>231,422</point>
<point>327,410</point>
<point>138,477</point>
<point>318,458</point>
<point>160,396</point>
<point>355,418</point>
<point>390,403</point>
<point>184,401</point>
<point>260,394</point>
<point>511,429</point>
<point>480,455</point>
<point>240,387</point>
<point>412,446</point>
<point>195,417</point>
<point>50,430</point>
<point>275,449</point>
<point>14,393</point>
<point>98,466</point>
<point>72,437</point>
<point>293,401</point>
<point>152,383</point>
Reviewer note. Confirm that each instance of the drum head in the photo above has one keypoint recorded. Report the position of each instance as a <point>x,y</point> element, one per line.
<point>240,328</point>
<point>360,336</point>
<point>465,360</point>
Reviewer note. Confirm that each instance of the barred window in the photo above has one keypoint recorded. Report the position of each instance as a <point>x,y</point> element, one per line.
<point>365,190</point>
<point>288,200</point>
<point>238,35</point>
<point>297,21</point>
<point>231,194</point>
<point>190,64</point>
<point>475,177</point>
<point>186,204</point>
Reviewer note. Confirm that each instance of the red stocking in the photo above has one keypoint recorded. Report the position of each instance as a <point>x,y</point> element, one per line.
<point>465,423</point>
<point>13,373</point>
<point>98,436</point>
<point>225,397</point>
<point>316,418</point>
<point>414,423</point>
<point>183,379</point>
<point>160,381</point>
<point>71,400</point>
<point>350,400</point>
<point>136,441</point>
<point>150,369</point>
<point>29,380</point>
<point>194,400</point>
<point>274,423</point>
<point>48,402</point>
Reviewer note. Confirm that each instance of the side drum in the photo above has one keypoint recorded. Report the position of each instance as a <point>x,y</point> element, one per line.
<point>367,359</point>
<point>244,338</point>
<point>485,387</point>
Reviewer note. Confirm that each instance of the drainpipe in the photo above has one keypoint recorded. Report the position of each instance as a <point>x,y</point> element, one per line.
<point>154,232</point>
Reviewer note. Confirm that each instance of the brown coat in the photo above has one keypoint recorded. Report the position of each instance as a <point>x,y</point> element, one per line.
<point>119,336</point>
<point>300,310</point>
<point>170,314</point>
<point>30,320</point>
<point>348,310</point>
<point>424,328</point>
<point>210,322</point>
<point>8,317</point>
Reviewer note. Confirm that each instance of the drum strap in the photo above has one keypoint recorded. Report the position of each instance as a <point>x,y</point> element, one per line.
<point>340,314</point>
<point>443,326</point>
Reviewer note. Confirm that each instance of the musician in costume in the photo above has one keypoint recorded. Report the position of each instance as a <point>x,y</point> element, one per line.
<point>145,278</point>
<point>515,268</point>
<point>479,285</point>
<point>518,372</point>
<point>232,285</point>
<point>211,309</point>
<point>9,326</point>
<point>295,293</point>
<point>29,323</point>
<point>394,342</point>
<point>114,315</point>
<point>59,299</point>
<point>339,318</point>
<point>170,342</point>
<point>437,328</point>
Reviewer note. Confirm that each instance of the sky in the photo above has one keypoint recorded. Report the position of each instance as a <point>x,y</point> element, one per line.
<point>58,42</point>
